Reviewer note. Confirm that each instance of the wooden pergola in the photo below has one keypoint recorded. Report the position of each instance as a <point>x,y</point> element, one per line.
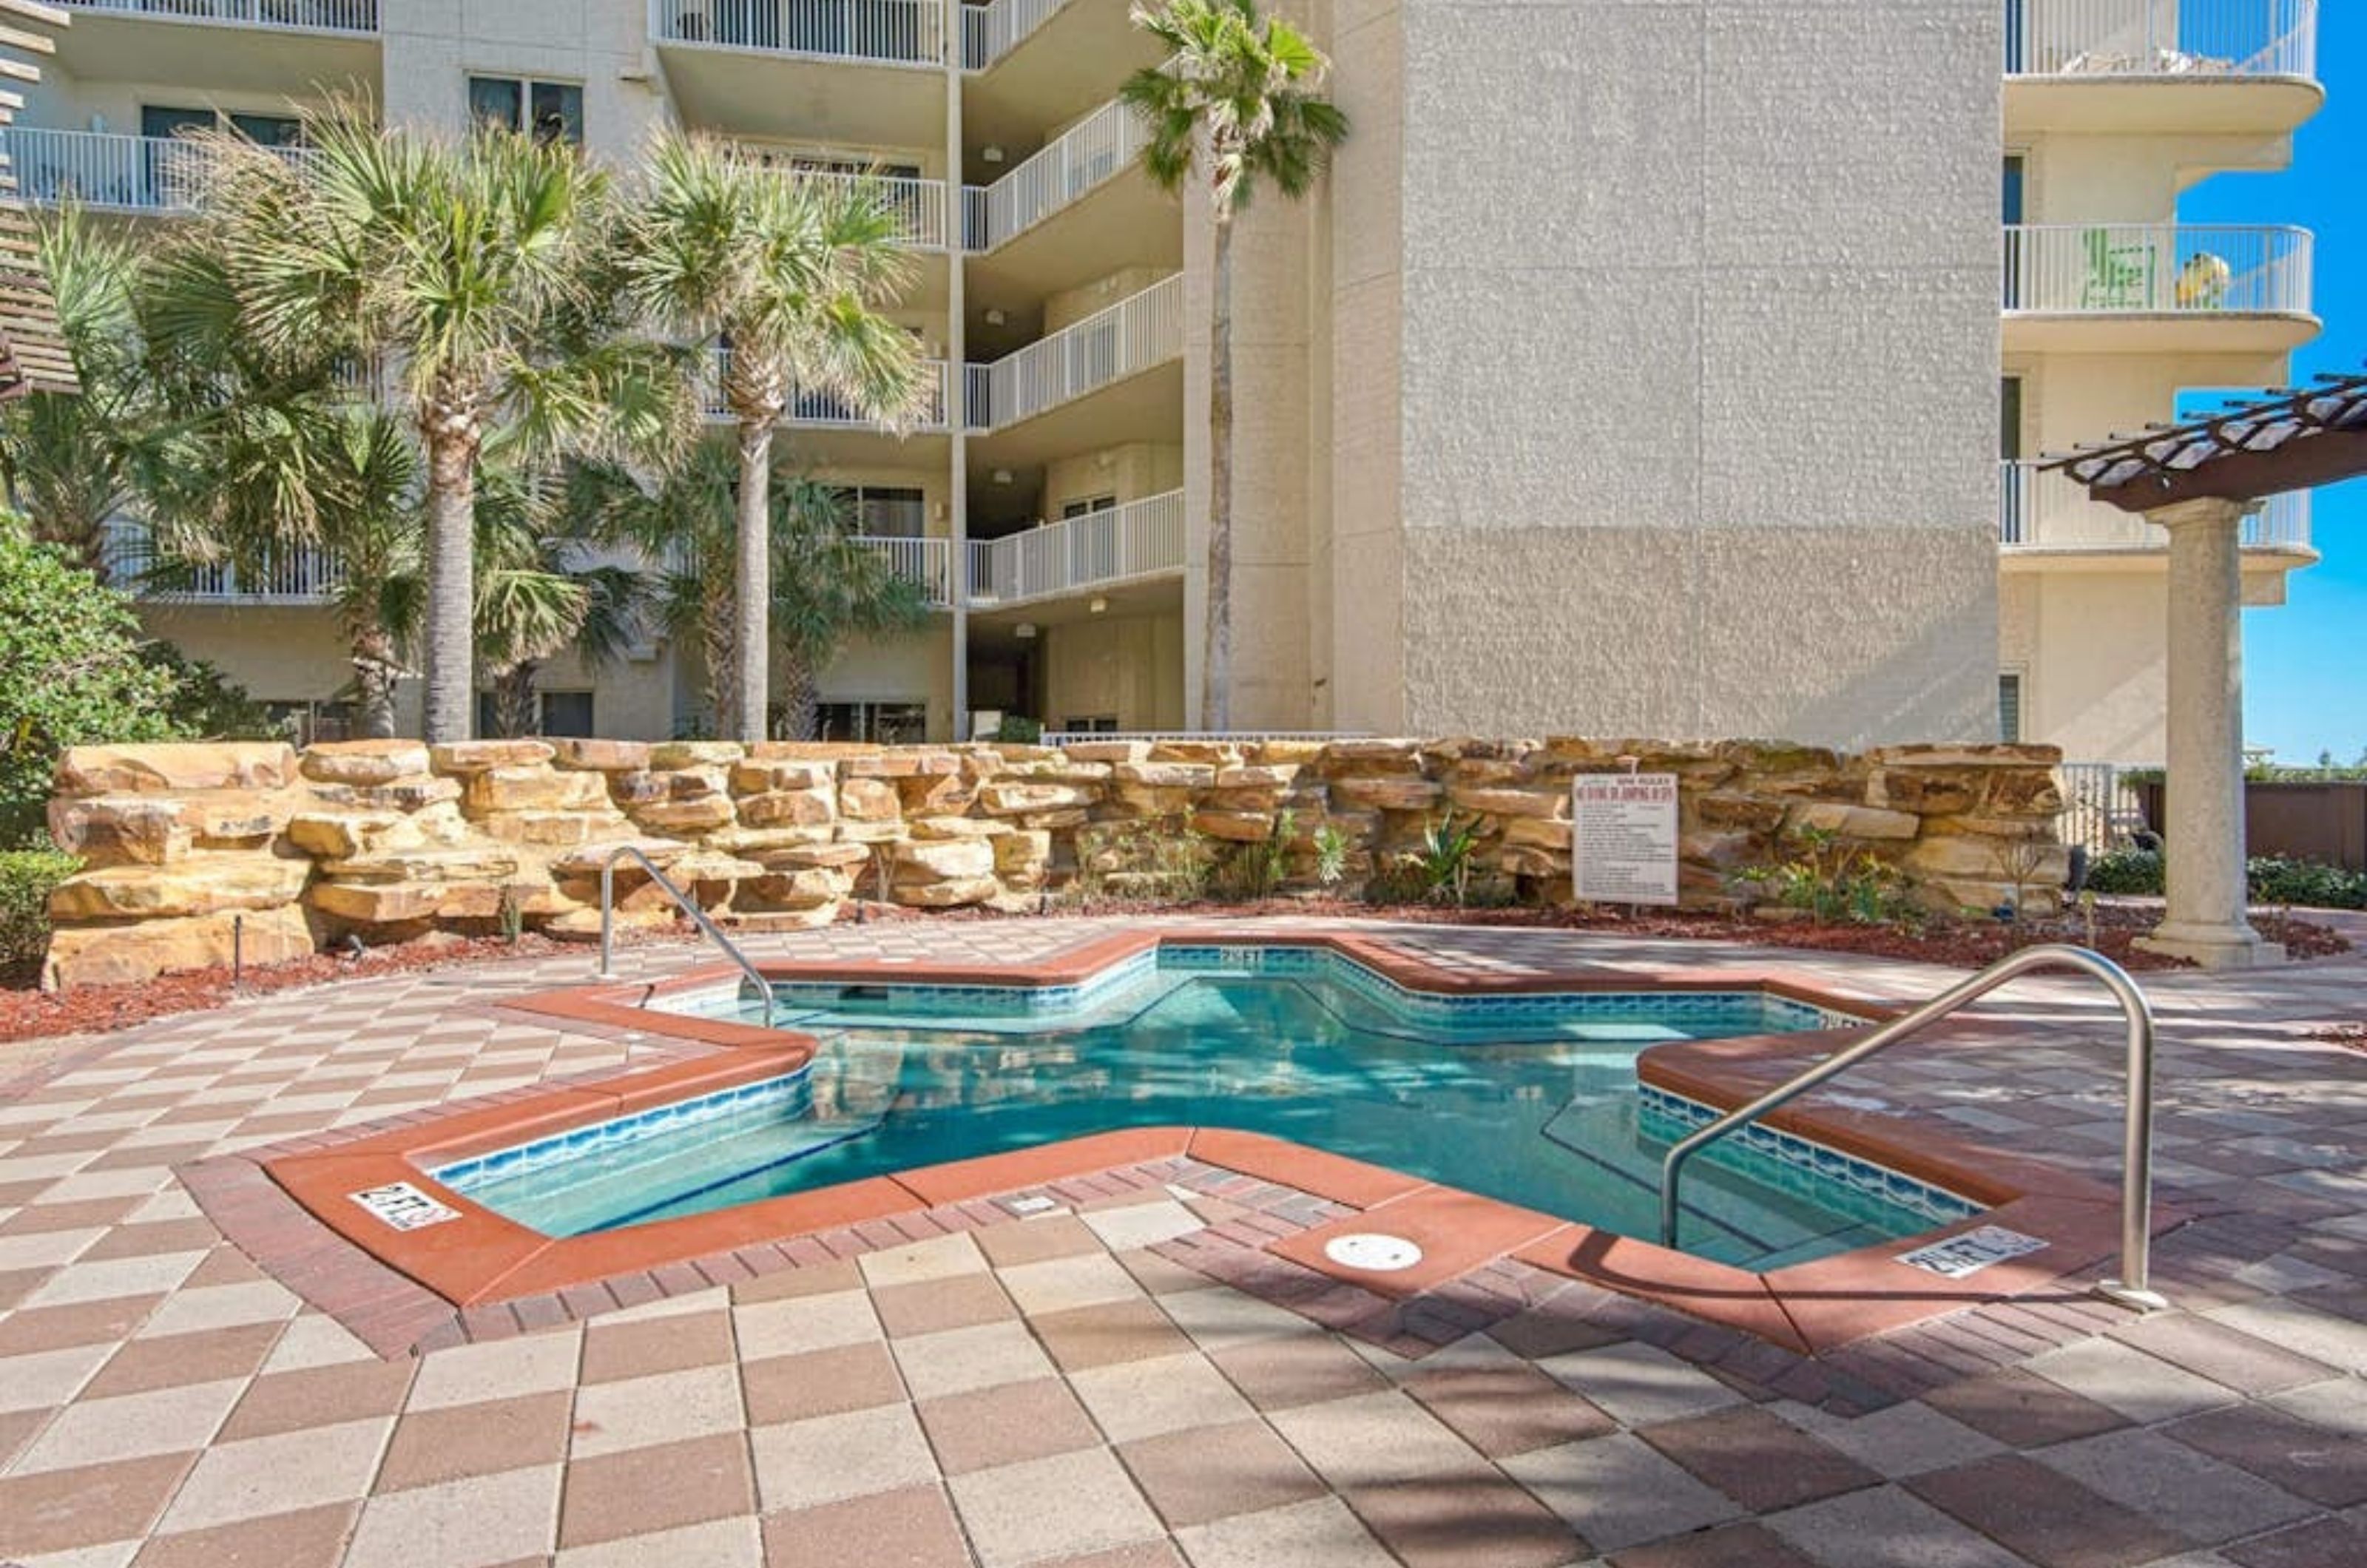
<point>2198,481</point>
<point>33,355</point>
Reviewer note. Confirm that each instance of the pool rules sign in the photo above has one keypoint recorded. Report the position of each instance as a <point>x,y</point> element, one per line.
<point>1624,838</point>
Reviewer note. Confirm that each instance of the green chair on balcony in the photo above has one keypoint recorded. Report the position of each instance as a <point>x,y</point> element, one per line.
<point>2120,278</point>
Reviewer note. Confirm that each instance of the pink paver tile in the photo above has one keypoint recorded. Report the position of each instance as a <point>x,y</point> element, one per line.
<point>37,1329</point>
<point>912,1527</point>
<point>1005,1425</point>
<point>674,1343</point>
<point>820,1382</point>
<point>1460,1523</point>
<point>1036,1241</point>
<point>1213,1473</point>
<point>1731,1546</point>
<point>432,1447</point>
<point>61,1510</point>
<point>2047,1517</point>
<point>308,1538</point>
<point>1764,1463</point>
<point>1130,1330</point>
<point>1506,1409</point>
<point>932,1306</point>
<point>2024,1410</point>
<point>655,1488</point>
<point>318,1396</point>
<point>1296,1369</point>
<point>172,1359</point>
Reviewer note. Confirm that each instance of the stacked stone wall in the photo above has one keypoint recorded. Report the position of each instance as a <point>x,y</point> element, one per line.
<point>186,845</point>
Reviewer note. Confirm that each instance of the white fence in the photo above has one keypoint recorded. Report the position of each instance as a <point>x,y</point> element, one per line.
<point>1090,152</point>
<point>828,411</point>
<point>1078,553</point>
<point>2157,268</point>
<point>992,31</point>
<point>2101,808</point>
<point>299,16</point>
<point>301,577</point>
<point>926,562</point>
<point>2161,38</point>
<point>1130,336</point>
<point>2047,510</point>
<point>111,171</point>
<point>897,32</point>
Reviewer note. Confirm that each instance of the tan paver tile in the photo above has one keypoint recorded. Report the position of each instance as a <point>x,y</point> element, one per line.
<point>315,1340</point>
<point>166,1420</point>
<point>483,1520</point>
<point>912,1527</point>
<point>1141,1224</point>
<point>1222,1318</point>
<point>1212,1472</point>
<point>1059,1283</point>
<point>941,1257</point>
<point>189,1309</point>
<point>2023,1410</point>
<point>833,1457</point>
<point>1616,1492</point>
<point>2328,1467</point>
<point>1302,1368</point>
<point>308,1538</point>
<point>534,1363</point>
<point>932,1306</point>
<point>46,1249</point>
<point>59,1510</point>
<point>16,1429</point>
<point>820,1382</point>
<point>1147,1554</point>
<point>2174,1486</point>
<point>1376,1439</point>
<point>1321,1534</point>
<point>613,1351</point>
<point>935,1365</point>
<point>46,1379</point>
<point>1888,1527</point>
<point>1130,1330</point>
<point>118,1276</point>
<point>1167,1393</point>
<point>1905,1439</point>
<point>1729,1546</point>
<point>1637,1384</point>
<point>640,1412</point>
<point>1005,1425</point>
<point>1763,1463</point>
<point>1064,1505</point>
<point>1484,1523</point>
<point>785,1284</point>
<point>787,1327</point>
<point>175,1359</point>
<point>644,1490</point>
<point>277,1475</point>
<point>1033,1241</point>
<point>2142,1387</point>
<point>719,1544</point>
<point>1161,1277</point>
<point>432,1447</point>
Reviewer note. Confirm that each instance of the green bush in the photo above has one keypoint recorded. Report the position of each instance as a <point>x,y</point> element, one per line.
<point>2125,871</point>
<point>26,878</point>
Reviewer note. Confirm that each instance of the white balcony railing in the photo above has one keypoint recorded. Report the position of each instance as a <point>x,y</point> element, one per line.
<point>2042,510</point>
<point>301,577</point>
<point>827,411</point>
<point>1131,336</point>
<point>925,563</point>
<point>992,31</point>
<point>110,170</point>
<point>288,16</point>
<point>2161,38</point>
<point>2157,268</point>
<point>1078,553</point>
<point>922,207</point>
<point>1089,154</point>
<point>895,32</point>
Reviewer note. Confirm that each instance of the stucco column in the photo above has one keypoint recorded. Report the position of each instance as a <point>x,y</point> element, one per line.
<point>2208,920</point>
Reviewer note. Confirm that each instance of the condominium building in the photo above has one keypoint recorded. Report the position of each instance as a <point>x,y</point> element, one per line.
<point>1633,371</point>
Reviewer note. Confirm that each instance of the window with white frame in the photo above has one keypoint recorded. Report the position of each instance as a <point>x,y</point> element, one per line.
<point>551,111</point>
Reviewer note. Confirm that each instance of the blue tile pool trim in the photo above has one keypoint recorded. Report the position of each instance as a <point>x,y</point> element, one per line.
<point>791,1095</point>
<point>1817,1164</point>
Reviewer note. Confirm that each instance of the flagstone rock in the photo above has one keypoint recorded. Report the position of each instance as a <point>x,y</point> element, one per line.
<point>174,767</point>
<point>122,954</point>
<point>464,757</point>
<point>212,884</point>
<point>364,762</point>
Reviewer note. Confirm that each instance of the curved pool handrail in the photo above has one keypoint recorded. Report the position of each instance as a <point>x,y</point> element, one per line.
<point>2132,1288</point>
<point>686,905</point>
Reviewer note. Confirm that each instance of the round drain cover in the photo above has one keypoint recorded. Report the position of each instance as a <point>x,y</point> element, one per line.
<point>1373,1253</point>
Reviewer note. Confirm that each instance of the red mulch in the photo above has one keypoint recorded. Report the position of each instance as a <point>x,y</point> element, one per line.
<point>89,1009</point>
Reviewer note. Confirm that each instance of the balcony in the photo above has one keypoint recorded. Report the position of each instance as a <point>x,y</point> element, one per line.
<point>111,172</point>
<point>781,68</point>
<point>2137,66</point>
<point>1108,348</point>
<point>2041,512</point>
<point>1100,549</point>
<point>1078,209</point>
<point>1034,64</point>
<point>2144,288</point>
<point>927,564</point>
<point>303,577</point>
<point>992,31</point>
<point>826,411</point>
<point>287,47</point>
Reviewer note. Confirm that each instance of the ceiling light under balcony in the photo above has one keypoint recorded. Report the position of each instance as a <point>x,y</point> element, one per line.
<point>1001,476</point>
<point>990,154</point>
<point>1023,631</point>
<point>1098,605</point>
<point>995,318</point>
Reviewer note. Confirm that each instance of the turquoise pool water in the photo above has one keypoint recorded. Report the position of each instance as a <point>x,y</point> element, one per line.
<point>1532,1100</point>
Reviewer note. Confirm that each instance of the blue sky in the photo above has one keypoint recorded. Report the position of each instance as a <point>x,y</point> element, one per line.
<point>2304,681</point>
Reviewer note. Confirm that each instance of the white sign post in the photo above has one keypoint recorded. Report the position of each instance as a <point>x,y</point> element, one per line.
<point>1624,838</point>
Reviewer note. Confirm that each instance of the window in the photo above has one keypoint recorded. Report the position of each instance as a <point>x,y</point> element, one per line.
<point>1098,724</point>
<point>1088,506</point>
<point>552,112</point>
<point>556,714</point>
<point>2013,517</point>
<point>878,724</point>
<point>884,511</point>
<point>2014,190</point>
<point>2017,179</point>
<point>2010,709</point>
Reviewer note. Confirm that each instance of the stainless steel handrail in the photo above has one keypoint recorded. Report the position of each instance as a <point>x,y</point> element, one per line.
<point>686,905</point>
<point>2132,1289</point>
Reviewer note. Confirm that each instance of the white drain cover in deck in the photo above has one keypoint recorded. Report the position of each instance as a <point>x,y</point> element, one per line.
<point>1373,1253</point>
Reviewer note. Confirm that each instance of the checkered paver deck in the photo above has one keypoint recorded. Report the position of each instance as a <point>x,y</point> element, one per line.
<point>1110,1385</point>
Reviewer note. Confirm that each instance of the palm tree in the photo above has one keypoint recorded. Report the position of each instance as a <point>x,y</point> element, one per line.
<point>826,588</point>
<point>1236,101</point>
<point>69,457</point>
<point>476,270</point>
<point>540,592</point>
<point>787,273</point>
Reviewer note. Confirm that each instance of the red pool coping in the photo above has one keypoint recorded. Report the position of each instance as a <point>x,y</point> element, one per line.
<point>480,1257</point>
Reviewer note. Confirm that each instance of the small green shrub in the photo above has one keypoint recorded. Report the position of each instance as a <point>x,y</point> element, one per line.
<point>1166,860</point>
<point>1835,883</point>
<point>1252,872</point>
<point>1016,731</point>
<point>1330,854</point>
<point>2125,871</point>
<point>1440,872</point>
<point>26,878</point>
<point>2276,880</point>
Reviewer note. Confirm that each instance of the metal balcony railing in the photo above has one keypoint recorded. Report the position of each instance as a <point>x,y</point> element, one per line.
<point>2157,268</point>
<point>288,16</point>
<point>112,172</point>
<point>894,33</point>
<point>1079,553</point>
<point>2142,39</point>
<point>1086,155</point>
<point>301,577</point>
<point>827,410</point>
<point>2040,511</point>
<point>992,31</point>
<point>922,208</point>
<point>1131,336</point>
<point>925,563</point>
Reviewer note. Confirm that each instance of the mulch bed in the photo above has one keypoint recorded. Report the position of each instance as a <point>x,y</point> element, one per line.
<point>91,1010</point>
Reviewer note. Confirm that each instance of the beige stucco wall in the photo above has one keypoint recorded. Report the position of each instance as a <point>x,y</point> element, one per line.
<point>1071,305</point>
<point>1132,666</point>
<point>431,46</point>
<point>1131,473</point>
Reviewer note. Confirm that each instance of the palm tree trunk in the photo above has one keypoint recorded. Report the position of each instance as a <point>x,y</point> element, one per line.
<point>1216,658</point>
<point>719,633</point>
<point>752,580</point>
<point>374,675</point>
<point>801,696</point>
<point>513,698</point>
<point>451,577</point>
